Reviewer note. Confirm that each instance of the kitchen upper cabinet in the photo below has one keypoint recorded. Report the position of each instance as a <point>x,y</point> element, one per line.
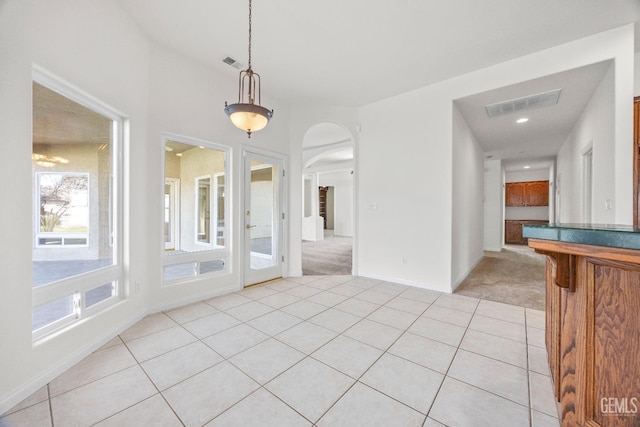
<point>532,193</point>
<point>515,194</point>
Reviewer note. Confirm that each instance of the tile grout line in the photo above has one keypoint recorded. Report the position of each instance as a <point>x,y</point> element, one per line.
<point>526,338</point>
<point>446,374</point>
<point>50,405</point>
<point>357,381</point>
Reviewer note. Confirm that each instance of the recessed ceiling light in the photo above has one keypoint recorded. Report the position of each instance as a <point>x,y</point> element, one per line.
<point>527,167</point>
<point>522,120</point>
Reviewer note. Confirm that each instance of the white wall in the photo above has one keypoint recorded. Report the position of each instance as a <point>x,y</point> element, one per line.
<point>414,131</point>
<point>493,205</point>
<point>342,181</point>
<point>527,175</point>
<point>468,211</point>
<point>636,77</point>
<point>594,129</point>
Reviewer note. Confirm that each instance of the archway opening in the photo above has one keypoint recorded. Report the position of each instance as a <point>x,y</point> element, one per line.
<point>328,200</point>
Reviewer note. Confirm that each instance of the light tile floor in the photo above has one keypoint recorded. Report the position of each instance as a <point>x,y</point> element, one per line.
<point>315,350</point>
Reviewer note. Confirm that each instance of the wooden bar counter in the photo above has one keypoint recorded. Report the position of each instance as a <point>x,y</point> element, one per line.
<point>592,321</point>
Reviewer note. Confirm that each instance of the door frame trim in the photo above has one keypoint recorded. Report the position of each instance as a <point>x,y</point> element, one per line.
<point>284,203</point>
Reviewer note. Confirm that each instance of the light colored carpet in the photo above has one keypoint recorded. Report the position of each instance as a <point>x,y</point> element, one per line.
<point>513,276</point>
<point>331,256</point>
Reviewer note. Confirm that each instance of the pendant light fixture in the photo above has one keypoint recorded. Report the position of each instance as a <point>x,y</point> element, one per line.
<point>246,114</point>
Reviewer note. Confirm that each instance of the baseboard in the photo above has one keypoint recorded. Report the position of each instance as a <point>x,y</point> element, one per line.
<point>402,281</point>
<point>56,370</point>
<point>455,285</point>
<point>194,298</point>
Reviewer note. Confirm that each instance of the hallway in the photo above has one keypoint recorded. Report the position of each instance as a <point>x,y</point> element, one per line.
<point>514,276</point>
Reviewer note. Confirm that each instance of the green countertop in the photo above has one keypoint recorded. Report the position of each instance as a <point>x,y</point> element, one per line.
<point>613,236</point>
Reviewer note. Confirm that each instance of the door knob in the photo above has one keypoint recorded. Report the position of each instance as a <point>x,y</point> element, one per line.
<point>248,226</point>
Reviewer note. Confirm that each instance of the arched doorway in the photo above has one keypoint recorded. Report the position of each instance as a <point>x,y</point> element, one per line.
<point>328,200</point>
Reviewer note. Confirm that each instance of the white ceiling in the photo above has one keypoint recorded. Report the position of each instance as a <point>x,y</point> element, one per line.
<point>354,52</point>
<point>542,136</point>
<point>327,145</point>
<point>351,53</point>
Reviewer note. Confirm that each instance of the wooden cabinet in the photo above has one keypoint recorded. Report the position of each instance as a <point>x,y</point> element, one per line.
<point>593,332</point>
<point>515,194</point>
<point>532,193</point>
<point>513,230</point>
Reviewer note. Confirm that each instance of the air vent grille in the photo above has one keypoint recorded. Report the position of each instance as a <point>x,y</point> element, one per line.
<point>539,100</point>
<point>235,64</point>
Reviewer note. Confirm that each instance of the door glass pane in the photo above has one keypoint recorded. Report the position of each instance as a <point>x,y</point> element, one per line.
<point>261,217</point>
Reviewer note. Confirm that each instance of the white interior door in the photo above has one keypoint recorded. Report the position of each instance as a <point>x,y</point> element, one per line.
<point>263,218</point>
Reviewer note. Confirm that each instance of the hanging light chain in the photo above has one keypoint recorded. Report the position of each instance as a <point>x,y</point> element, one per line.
<point>249,34</point>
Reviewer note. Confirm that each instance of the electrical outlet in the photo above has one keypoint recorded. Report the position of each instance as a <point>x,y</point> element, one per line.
<point>403,261</point>
<point>136,287</point>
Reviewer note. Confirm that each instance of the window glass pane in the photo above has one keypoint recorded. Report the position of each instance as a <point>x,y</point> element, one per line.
<point>99,294</point>
<point>211,266</point>
<point>52,312</point>
<point>194,208</point>
<point>64,202</point>
<point>219,209</point>
<point>203,210</point>
<point>73,171</point>
<point>179,271</point>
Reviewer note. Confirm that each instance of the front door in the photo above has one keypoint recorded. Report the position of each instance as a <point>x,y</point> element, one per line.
<point>263,218</point>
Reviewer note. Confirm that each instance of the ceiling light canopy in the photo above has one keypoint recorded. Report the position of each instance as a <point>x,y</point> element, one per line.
<point>246,114</point>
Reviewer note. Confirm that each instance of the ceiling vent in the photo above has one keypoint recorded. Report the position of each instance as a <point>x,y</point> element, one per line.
<point>235,64</point>
<point>539,100</point>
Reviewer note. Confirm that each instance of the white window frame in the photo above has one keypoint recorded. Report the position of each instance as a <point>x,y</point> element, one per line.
<point>210,252</point>
<point>77,286</point>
